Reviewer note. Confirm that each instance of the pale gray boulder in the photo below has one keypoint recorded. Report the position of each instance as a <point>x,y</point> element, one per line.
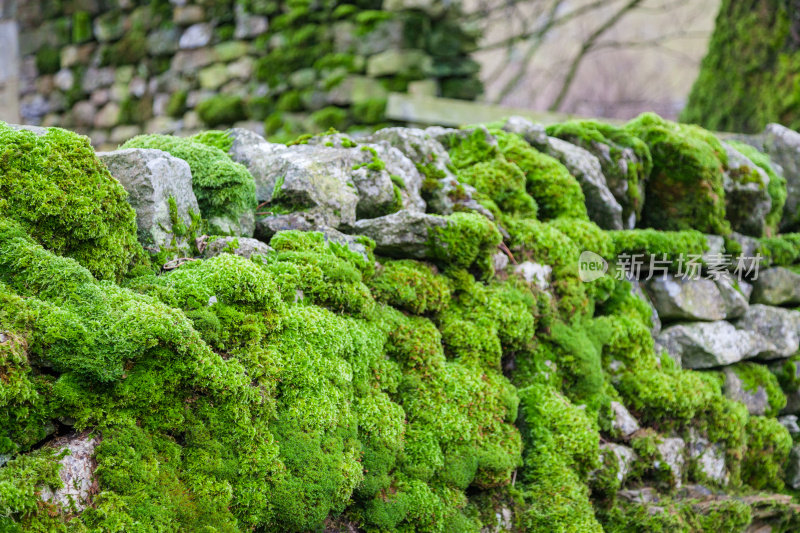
<point>255,153</point>
<point>708,457</point>
<point>776,286</point>
<point>672,455</point>
<point>624,456</point>
<point>783,147</point>
<point>747,201</point>
<point>710,344</point>
<point>781,327</point>
<point>677,298</point>
<point>76,473</point>
<point>623,423</point>
<point>151,178</point>
<point>401,234</point>
<point>756,400</point>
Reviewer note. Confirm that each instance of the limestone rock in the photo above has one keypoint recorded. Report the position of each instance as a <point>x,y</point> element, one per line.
<point>624,424</point>
<point>776,286</point>
<point>747,201</point>
<point>77,473</point>
<point>242,246</point>
<point>672,455</point>
<point>534,273</point>
<point>783,147</point>
<point>401,234</point>
<point>708,457</point>
<point>151,177</point>
<point>603,208</point>
<point>694,299</point>
<point>244,226</point>
<point>196,36</point>
<point>248,25</point>
<point>624,455</point>
<point>779,326</point>
<point>268,226</point>
<point>756,401</point>
<point>710,344</point>
<point>255,153</point>
<point>534,134</point>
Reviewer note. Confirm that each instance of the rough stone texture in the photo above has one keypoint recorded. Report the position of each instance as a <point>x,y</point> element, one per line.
<point>151,177</point>
<point>624,423</point>
<point>708,457</point>
<point>77,473</point>
<point>533,133</point>
<point>783,147</point>
<point>268,226</point>
<point>397,164</point>
<point>756,401</point>
<point>672,454</point>
<point>747,202</point>
<point>243,227</point>
<point>534,273</point>
<point>776,286</point>
<point>694,299</point>
<point>603,208</point>
<point>242,246</point>
<point>711,344</point>
<point>401,234</point>
<point>779,326</point>
<point>791,425</point>
<point>624,455</point>
<point>254,152</point>
<point>793,468</point>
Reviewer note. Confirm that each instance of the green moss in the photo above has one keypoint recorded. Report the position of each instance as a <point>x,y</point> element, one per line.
<point>215,138</point>
<point>330,117</point>
<point>223,188</point>
<point>65,198</point>
<point>467,240</point>
<point>768,446</point>
<point>48,60</point>
<point>410,285</point>
<point>776,187</point>
<point>131,49</point>
<point>176,106</point>
<point>755,376</point>
<point>648,242</point>
<point>222,109</point>
<point>81,27</point>
<point>370,111</point>
<point>503,183</point>
<point>783,250</point>
<point>685,186</point>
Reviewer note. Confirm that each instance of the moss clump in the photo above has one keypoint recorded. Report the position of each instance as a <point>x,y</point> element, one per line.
<point>556,191</point>
<point>64,197</point>
<point>624,158</point>
<point>81,27</point>
<point>755,376</point>
<point>176,106</point>
<point>468,239</point>
<point>648,242</point>
<point>222,109</point>
<point>685,186</point>
<point>768,446</point>
<point>329,117</point>
<point>48,60</point>
<point>776,187</point>
<point>504,184</point>
<point>783,250</point>
<point>223,188</point>
<point>749,74</point>
<point>216,138</point>
<point>412,286</point>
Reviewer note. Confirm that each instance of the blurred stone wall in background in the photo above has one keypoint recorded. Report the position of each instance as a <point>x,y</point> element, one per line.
<point>9,62</point>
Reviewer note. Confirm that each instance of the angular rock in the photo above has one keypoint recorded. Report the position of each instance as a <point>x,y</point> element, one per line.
<point>244,226</point>
<point>783,147</point>
<point>76,472</point>
<point>747,201</point>
<point>241,246</point>
<point>776,286</point>
<point>624,424</point>
<point>624,455</point>
<point>791,425</point>
<point>637,289</point>
<point>151,177</point>
<point>736,300</point>
<point>711,344</point>
<point>196,36</point>
<point>677,298</point>
<point>534,134</point>
<point>708,457</point>
<point>534,273</point>
<point>268,226</point>
<point>756,401</point>
<point>603,208</point>
<point>400,166</point>
<point>401,234</point>
<point>672,454</point>
<point>255,153</point>
<point>779,326</point>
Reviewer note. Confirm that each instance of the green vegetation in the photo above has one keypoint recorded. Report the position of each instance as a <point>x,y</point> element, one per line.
<point>221,109</point>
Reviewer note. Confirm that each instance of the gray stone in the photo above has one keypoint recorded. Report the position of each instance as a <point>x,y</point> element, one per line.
<point>109,26</point>
<point>213,77</point>
<point>353,242</point>
<point>534,134</point>
<point>248,25</point>
<point>708,457</point>
<point>163,41</point>
<point>783,147</point>
<point>107,116</point>
<point>401,234</point>
<point>790,423</point>
<point>735,300</point>
<point>747,201</point>
<point>677,298</point>
<point>187,61</point>
<point>95,78</point>
<point>242,246</point>
<point>776,286</point>
<point>151,177</point>
<point>756,401</point>
<point>672,451</point>
<point>534,273</point>
<point>64,79</point>
<point>500,261</point>
<point>781,327</point>
<point>624,456</point>
<point>83,113</point>
<point>268,226</point>
<point>244,226</point>
<point>76,473</point>
<point>196,36</point>
<point>603,208</point>
<point>255,153</point>
<point>190,14</point>
<point>410,63</point>
<point>640,496</point>
<point>711,344</point>
<point>623,424</point>
<point>353,89</point>
<point>793,468</point>
<point>716,247</point>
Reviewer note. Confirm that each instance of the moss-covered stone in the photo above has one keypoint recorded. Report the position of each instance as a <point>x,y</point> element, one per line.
<point>222,109</point>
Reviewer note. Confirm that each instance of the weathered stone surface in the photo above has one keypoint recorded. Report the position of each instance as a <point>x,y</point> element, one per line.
<point>268,226</point>
<point>77,473</point>
<point>196,36</point>
<point>534,273</point>
<point>678,298</point>
<point>353,242</point>
<point>779,326</point>
<point>244,226</point>
<point>747,201</point>
<point>163,41</point>
<point>401,234</point>
<point>756,401</point>
<point>793,468</point>
<point>603,208</point>
<point>776,286</point>
<point>711,344</point>
<point>151,177</point>
<point>397,164</point>
<point>533,133</point>
<point>783,147</point>
<point>625,458</point>
<point>255,153</point>
<point>672,455</point>
<point>791,425</point>
<point>708,457</point>
<point>242,246</point>
<point>624,424</point>
<point>735,300</point>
